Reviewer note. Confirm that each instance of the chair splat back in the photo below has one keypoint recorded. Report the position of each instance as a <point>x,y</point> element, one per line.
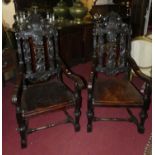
<point>111,43</point>
<point>37,46</point>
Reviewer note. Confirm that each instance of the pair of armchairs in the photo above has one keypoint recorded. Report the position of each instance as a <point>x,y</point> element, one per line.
<point>41,88</point>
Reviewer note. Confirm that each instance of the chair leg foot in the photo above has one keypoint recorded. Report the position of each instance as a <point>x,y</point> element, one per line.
<point>23,125</point>
<point>77,119</point>
<point>90,116</point>
<point>23,135</point>
<point>77,127</point>
<point>89,128</point>
<point>23,143</point>
<point>141,129</point>
<point>143,117</point>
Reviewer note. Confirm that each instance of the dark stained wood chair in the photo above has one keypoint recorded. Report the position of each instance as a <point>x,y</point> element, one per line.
<point>40,86</point>
<point>109,84</point>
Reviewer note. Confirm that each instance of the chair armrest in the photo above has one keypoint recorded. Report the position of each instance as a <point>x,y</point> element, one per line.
<point>137,70</point>
<point>78,80</point>
<point>16,97</point>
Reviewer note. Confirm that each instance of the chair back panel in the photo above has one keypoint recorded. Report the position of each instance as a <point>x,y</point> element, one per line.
<point>111,43</point>
<point>37,45</point>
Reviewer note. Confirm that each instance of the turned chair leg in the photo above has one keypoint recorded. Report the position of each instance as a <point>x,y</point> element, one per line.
<point>90,116</point>
<point>23,134</point>
<point>90,113</point>
<point>77,112</point>
<point>22,129</point>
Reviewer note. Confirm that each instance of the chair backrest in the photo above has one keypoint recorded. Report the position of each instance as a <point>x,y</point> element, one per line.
<point>37,45</point>
<point>111,43</point>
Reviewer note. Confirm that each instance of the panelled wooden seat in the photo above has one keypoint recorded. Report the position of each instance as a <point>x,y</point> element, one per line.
<point>111,59</point>
<point>111,92</point>
<point>45,96</point>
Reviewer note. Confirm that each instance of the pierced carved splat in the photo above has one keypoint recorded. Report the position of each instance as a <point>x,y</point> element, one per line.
<point>111,43</point>
<point>36,42</point>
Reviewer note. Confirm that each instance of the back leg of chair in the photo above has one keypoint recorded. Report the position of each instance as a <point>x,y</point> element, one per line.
<point>22,129</point>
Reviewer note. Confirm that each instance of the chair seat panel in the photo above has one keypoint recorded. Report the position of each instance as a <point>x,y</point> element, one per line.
<point>116,92</point>
<point>48,95</point>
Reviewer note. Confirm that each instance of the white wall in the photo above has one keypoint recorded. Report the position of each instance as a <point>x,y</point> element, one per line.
<point>8,12</point>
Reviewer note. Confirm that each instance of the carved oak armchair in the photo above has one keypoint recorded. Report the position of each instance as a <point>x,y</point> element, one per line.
<point>40,87</point>
<point>109,84</point>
